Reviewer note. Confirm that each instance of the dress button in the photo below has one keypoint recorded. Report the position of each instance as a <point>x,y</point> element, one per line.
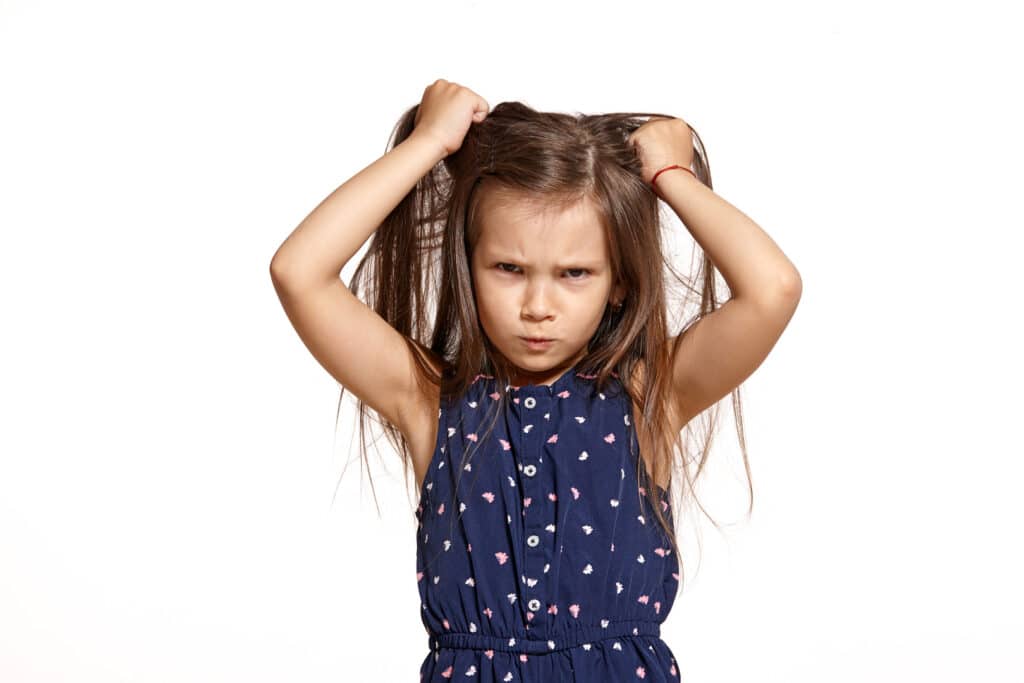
<point>530,470</point>
<point>530,402</point>
<point>532,541</point>
<point>534,605</point>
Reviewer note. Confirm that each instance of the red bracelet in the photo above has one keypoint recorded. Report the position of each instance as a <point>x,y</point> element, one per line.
<point>681,168</point>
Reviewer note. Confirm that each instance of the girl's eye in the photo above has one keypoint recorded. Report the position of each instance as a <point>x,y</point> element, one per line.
<point>583,271</point>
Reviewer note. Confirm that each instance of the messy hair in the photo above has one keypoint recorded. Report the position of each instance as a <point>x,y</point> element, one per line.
<point>417,271</point>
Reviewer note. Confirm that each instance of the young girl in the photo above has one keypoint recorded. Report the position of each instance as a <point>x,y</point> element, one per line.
<point>542,446</point>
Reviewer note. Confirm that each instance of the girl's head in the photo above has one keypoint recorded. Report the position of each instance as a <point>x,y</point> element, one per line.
<point>539,225</point>
<point>560,238</point>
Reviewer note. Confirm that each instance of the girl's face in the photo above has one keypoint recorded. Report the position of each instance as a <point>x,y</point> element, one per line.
<point>540,272</point>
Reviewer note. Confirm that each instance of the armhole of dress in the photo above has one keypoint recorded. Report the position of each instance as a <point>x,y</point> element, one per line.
<point>440,440</point>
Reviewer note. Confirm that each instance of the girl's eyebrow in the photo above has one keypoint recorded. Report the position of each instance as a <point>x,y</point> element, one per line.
<point>577,263</point>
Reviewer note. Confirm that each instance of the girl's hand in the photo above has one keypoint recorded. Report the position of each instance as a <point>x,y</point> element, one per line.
<point>661,142</point>
<point>446,112</point>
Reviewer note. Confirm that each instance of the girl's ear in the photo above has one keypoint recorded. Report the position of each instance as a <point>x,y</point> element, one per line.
<point>618,296</point>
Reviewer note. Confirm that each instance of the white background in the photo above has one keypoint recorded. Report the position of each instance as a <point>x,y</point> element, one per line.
<point>168,459</point>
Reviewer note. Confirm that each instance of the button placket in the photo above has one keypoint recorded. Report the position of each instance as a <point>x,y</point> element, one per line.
<point>535,519</point>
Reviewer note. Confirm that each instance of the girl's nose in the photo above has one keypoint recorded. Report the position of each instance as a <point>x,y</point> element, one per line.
<point>537,304</point>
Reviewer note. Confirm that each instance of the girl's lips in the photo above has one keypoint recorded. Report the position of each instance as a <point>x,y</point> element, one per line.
<point>537,345</point>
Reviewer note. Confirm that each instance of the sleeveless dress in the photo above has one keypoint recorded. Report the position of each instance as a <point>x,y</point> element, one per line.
<point>538,558</point>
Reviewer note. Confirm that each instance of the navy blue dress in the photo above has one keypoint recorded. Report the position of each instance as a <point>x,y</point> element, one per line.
<point>538,559</point>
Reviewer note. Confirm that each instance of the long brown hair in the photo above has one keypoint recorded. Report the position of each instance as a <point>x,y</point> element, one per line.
<point>420,255</point>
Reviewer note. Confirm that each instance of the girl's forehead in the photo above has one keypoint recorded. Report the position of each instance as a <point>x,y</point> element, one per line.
<point>533,226</point>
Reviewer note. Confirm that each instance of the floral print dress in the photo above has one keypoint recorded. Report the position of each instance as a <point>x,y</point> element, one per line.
<point>538,557</point>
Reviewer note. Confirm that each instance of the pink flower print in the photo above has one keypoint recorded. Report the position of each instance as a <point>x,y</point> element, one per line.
<point>552,609</point>
<point>675,576</point>
<point>640,673</point>
<point>552,496</point>
<point>563,394</point>
<point>516,400</point>
<point>488,496</point>
<point>522,657</point>
<point>643,492</point>
<point>529,616</point>
<point>527,501</point>
<point>664,506</point>
<point>440,509</point>
<point>642,599</point>
<point>495,395</point>
<point>469,547</point>
<point>447,673</point>
<point>488,612</point>
<point>505,445</point>
<point>672,669</point>
<point>660,552</point>
<point>489,654</point>
<point>447,627</point>
<point>502,557</point>
<point>574,610</point>
<point>610,438</point>
<point>419,576</point>
<point>613,547</point>
<point>575,492</point>
<point>657,607</point>
<point>553,438</point>
<point>472,437</point>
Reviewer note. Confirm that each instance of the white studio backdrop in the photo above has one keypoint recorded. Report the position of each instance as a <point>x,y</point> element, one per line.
<point>168,458</point>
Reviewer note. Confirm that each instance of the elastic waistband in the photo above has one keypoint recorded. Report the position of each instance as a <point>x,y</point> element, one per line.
<point>533,645</point>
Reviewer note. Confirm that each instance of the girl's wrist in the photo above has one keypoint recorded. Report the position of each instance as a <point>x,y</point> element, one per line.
<point>428,144</point>
<point>668,168</point>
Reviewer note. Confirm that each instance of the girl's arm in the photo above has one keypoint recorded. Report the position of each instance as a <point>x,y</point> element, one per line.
<point>356,346</point>
<point>722,349</point>
<point>715,354</point>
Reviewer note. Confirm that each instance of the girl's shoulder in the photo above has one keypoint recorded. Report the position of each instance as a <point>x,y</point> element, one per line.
<point>635,381</point>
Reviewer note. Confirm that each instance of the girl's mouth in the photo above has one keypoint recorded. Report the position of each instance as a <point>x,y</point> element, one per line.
<point>536,342</point>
